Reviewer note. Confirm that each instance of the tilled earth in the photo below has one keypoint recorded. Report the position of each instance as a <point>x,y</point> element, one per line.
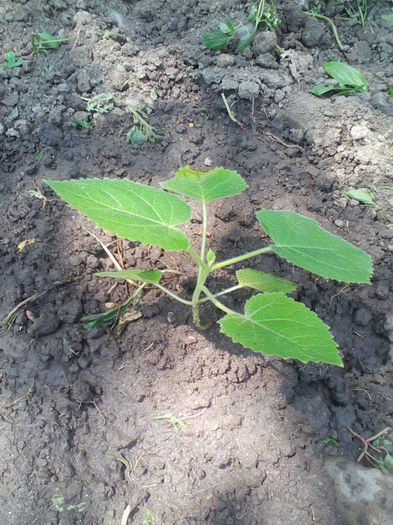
<point>157,420</point>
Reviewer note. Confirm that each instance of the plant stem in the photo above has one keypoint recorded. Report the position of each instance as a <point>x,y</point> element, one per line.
<point>259,13</point>
<point>204,231</point>
<point>223,292</point>
<point>332,25</point>
<point>202,276</point>
<point>194,254</point>
<point>241,258</point>
<point>173,295</point>
<point>216,303</point>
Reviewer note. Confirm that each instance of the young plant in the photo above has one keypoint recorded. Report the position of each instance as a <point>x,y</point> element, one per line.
<point>272,322</point>
<point>82,123</point>
<point>358,10</point>
<point>261,14</point>
<point>11,62</point>
<point>101,103</point>
<point>44,42</point>
<point>141,131</point>
<point>350,80</point>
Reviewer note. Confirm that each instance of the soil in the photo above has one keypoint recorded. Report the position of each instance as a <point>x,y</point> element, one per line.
<point>182,426</point>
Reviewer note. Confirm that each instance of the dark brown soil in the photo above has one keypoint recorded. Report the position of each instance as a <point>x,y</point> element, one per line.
<point>182,426</point>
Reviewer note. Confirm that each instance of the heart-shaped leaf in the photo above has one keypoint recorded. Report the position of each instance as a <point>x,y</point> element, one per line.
<point>274,324</point>
<point>128,209</point>
<point>264,282</point>
<point>216,39</point>
<point>346,75</point>
<point>152,277</point>
<point>206,186</point>
<point>303,242</point>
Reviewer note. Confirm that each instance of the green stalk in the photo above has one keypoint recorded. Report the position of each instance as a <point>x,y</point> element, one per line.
<point>332,25</point>
<point>259,13</point>
<point>216,303</point>
<point>173,295</point>
<point>204,231</point>
<point>241,258</point>
<point>223,292</point>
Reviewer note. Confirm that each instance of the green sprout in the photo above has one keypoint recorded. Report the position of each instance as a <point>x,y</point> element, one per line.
<point>262,14</point>
<point>44,42</point>
<point>82,123</point>
<point>141,131</point>
<point>11,62</point>
<point>102,103</point>
<point>350,80</point>
<point>272,322</point>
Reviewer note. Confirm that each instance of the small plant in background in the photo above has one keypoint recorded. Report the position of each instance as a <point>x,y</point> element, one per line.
<point>141,131</point>
<point>358,10</point>
<point>82,123</point>
<point>390,92</point>
<point>262,14</point>
<point>272,322</point>
<point>62,507</point>
<point>388,17</point>
<point>44,42</point>
<point>350,80</point>
<point>11,61</point>
<point>102,103</point>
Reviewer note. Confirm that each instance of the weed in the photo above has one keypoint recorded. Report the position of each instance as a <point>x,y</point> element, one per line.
<point>82,123</point>
<point>362,195</point>
<point>357,11</point>
<point>149,517</point>
<point>262,14</point>
<point>378,449</point>
<point>176,422</point>
<point>141,131</point>
<point>44,42</point>
<point>61,507</point>
<point>11,62</point>
<point>102,103</point>
<point>315,12</point>
<point>388,17</point>
<point>350,80</point>
<point>390,92</point>
<point>272,323</point>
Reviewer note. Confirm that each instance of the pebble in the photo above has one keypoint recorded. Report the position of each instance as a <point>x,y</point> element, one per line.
<point>362,316</point>
<point>225,60</point>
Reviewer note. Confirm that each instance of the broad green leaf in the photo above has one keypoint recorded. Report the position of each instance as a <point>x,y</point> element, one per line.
<point>346,75</point>
<point>274,324</point>
<point>211,257</point>
<point>227,28</point>
<point>264,282</point>
<point>206,186</point>
<point>303,242</point>
<point>216,39</point>
<point>128,209</point>
<point>363,195</point>
<point>152,277</point>
<point>320,90</point>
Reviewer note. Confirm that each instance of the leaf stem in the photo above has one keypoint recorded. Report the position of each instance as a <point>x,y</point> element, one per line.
<point>194,254</point>
<point>216,303</point>
<point>204,231</point>
<point>173,295</point>
<point>332,25</point>
<point>223,292</point>
<point>241,258</point>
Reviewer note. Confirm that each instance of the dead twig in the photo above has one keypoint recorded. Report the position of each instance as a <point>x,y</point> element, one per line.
<point>19,399</point>
<point>281,141</point>
<point>33,298</point>
<point>367,443</point>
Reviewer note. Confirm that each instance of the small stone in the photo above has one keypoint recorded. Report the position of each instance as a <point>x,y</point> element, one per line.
<point>264,42</point>
<point>248,89</point>
<point>339,223</point>
<point>225,60</point>
<point>359,132</point>
<point>362,316</point>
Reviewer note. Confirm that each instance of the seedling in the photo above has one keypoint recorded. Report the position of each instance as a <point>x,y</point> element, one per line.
<point>141,131</point>
<point>82,123</point>
<point>262,14</point>
<point>272,322</point>
<point>362,195</point>
<point>177,423</point>
<point>350,80</point>
<point>358,10</point>
<point>11,62</point>
<point>388,17</point>
<point>44,42</point>
<point>390,92</point>
<point>102,103</point>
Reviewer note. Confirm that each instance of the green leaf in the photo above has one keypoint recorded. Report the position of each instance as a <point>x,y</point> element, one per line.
<point>103,319</point>
<point>388,462</point>
<point>48,41</point>
<point>227,28</point>
<point>264,282</point>
<point>363,195</point>
<point>320,90</point>
<point>152,277</point>
<point>128,209</point>
<point>274,324</point>
<point>346,75</point>
<point>211,257</point>
<point>303,242</point>
<point>216,39</point>
<point>135,136</point>
<point>390,92</point>
<point>206,186</point>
